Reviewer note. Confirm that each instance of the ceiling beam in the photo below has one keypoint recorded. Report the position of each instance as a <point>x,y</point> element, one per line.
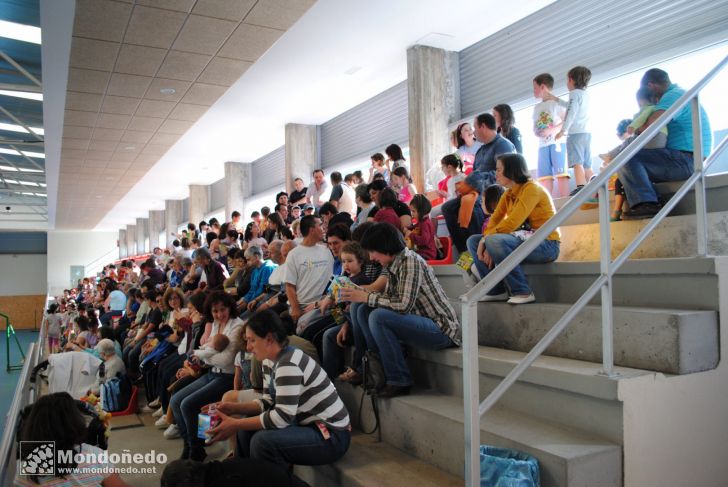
<point>20,122</point>
<point>26,157</point>
<point>17,66</point>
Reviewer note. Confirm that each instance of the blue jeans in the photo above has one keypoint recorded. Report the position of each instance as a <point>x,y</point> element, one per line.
<point>386,329</point>
<point>653,166</point>
<point>473,242</point>
<point>332,354</point>
<point>458,234</point>
<point>187,402</point>
<point>501,245</point>
<point>298,445</point>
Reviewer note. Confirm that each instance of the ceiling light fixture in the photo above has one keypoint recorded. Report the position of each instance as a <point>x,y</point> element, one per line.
<point>19,128</point>
<point>130,147</point>
<point>168,91</point>
<point>23,153</point>
<point>20,32</point>
<point>352,70</point>
<point>23,94</point>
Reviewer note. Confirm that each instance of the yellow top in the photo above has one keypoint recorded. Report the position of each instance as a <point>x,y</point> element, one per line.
<point>527,201</point>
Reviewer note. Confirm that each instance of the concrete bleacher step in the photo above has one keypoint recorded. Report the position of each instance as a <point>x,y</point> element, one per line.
<point>430,426</point>
<point>680,283</point>
<point>570,392</point>
<point>371,463</point>
<point>716,195</point>
<point>672,341</point>
<point>674,237</point>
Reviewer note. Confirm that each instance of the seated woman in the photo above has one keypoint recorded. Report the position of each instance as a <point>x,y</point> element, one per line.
<point>42,425</point>
<point>523,209</point>
<point>186,403</point>
<point>113,365</point>
<point>413,309</point>
<point>304,423</point>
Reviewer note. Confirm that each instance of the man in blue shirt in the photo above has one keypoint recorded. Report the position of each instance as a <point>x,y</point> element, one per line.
<point>483,175</point>
<point>674,162</point>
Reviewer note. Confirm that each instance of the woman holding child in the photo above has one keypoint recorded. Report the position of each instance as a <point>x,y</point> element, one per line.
<point>186,403</point>
<point>523,209</point>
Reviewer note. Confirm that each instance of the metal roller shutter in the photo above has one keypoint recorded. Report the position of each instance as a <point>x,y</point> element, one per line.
<point>366,128</point>
<point>610,38</point>
<point>270,170</point>
<point>217,195</point>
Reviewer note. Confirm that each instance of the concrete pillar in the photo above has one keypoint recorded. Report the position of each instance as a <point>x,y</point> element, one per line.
<point>142,234</point>
<point>433,81</point>
<point>238,186</point>
<point>172,218</point>
<point>199,202</point>
<point>156,227</point>
<point>131,240</point>
<point>122,243</point>
<point>301,153</point>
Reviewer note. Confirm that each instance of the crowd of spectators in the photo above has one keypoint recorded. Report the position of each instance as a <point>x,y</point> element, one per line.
<point>252,319</point>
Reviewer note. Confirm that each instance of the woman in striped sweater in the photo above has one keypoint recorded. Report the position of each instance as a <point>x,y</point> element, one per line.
<point>300,419</point>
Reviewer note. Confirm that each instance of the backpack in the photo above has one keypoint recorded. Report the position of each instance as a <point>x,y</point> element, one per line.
<point>115,393</point>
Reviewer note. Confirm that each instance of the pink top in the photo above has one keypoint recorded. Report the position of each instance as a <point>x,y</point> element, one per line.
<point>405,196</point>
<point>423,236</point>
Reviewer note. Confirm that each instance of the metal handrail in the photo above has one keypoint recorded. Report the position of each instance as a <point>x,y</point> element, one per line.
<point>474,409</point>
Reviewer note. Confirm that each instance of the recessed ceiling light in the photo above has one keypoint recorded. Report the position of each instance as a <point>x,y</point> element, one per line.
<point>168,91</point>
<point>130,147</point>
<point>99,196</point>
<point>352,70</point>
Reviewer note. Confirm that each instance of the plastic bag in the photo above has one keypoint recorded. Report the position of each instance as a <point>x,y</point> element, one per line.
<point>502,467</point>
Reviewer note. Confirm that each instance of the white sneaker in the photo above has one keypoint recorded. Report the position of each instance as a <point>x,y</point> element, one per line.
<point>494,297</point>
<point>155,403</point>
<point>161,423</point>
<point>147,409</point>
<point>172,432</point>
<point>474,271</point>
<point>158,413</point>
<point>530,298</point>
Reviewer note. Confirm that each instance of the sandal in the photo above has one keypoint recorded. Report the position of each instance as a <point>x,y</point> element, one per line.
<point>351,376</point>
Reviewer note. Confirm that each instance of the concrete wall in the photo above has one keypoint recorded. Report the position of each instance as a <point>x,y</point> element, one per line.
<point>91,249</point>
<point>675,430</point>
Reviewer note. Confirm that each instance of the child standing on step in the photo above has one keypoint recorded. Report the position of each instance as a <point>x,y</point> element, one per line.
<point>53,328</point>
<point>548,116</point>
<point>576,122</point>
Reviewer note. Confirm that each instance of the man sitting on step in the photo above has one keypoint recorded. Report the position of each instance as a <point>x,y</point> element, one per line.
<point>674,162</point>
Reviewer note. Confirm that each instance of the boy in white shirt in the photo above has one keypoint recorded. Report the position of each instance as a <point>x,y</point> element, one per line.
<point>578,142</point>
<point>548,117</point>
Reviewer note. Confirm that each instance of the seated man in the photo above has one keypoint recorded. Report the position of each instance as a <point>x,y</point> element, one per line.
<point>486,131</point>
<point>674,162</point>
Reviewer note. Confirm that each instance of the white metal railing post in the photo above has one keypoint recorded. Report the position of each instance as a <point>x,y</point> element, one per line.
<point>701,219</point>
<point>471,393</point>
<point>605,261</point>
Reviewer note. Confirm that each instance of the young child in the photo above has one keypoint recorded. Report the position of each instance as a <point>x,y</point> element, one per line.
<point>646,102</point>
<point>402,183</point>
<point>217,344</point>
<point>353,261</point>
<point>452,167</point>
<point>576,121</point>
<point>242,381</point>
<point>548,117</point>
<point>53,328</point>
<point>422,234</point>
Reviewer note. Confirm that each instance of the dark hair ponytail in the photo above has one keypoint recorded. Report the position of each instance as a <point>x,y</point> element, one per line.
<point>453,160</point>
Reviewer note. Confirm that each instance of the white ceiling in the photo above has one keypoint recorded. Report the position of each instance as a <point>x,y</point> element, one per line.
<point>302,79</point>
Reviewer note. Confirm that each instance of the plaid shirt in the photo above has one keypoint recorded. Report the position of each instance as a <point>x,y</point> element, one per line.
<point>413,289</point>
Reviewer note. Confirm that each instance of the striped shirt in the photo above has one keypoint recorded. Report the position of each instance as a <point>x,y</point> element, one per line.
<point>413,289</point>
<point>300,393</point>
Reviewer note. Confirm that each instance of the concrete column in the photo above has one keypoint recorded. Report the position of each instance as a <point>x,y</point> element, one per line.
<point>301,153</point>
<point>433,81</point>
<point>142,233</point>
<point>131,240</point>
<point>238,187</point>
<point>199,202</point>
<point>156,226</point>
<point>122,243</point>
<point>172,218</point>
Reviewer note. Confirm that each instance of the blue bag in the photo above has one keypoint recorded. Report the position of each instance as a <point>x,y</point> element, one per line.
<point>502,467</point>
